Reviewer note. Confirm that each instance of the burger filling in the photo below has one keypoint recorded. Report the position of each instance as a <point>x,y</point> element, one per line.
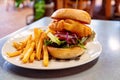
<point>67,39</point>
<point>68,33</point>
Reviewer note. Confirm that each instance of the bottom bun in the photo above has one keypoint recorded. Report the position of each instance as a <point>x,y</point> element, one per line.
<point>65,53</point>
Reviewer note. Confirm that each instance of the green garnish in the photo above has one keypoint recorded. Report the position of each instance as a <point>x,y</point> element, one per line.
<point>53,38</point>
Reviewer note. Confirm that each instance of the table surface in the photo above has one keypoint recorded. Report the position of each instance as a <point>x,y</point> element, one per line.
<point>106,67</point>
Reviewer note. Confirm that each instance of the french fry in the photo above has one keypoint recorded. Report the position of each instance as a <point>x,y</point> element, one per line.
<point>45,56</point>
<point>37,34</point>
<point>39,47</point>
<point>21,44</point>
<point>32,57</point>
<point>29,40</point>
<point>13,54</point>
<point>16,45</point>
<point>23,53</point>
<point>32,48</point>
<point>28,53</point>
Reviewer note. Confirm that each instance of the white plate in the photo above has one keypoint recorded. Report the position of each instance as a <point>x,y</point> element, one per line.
<point>93,51</point>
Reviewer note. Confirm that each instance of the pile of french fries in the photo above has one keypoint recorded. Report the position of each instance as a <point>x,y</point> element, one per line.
<point>32,48</point>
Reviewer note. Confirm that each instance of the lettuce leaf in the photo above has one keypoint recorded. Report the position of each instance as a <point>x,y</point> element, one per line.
<point>55,42</point>
<point>53,38</point>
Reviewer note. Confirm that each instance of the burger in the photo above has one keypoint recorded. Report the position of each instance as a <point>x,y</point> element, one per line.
<point>68,33</point>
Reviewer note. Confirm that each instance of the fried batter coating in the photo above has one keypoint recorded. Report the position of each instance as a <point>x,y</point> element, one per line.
<point>73,26</point>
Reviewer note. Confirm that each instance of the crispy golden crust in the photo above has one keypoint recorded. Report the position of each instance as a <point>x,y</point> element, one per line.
<point>65,53</point>
<point>74,14</point>
<point>70,25</point>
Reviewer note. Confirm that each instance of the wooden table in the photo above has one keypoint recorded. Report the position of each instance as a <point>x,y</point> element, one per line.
<point>106,67</point>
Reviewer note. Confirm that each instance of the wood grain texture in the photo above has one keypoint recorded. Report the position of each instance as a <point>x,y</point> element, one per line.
<point>13,19</point>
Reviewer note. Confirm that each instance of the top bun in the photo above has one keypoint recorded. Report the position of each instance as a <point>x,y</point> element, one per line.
<point>74,14</point>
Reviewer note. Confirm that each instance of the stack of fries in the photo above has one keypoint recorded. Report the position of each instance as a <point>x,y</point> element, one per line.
<point>32,48</point>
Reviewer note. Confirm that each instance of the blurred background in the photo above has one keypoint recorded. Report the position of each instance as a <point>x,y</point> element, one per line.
<point>15,14</point>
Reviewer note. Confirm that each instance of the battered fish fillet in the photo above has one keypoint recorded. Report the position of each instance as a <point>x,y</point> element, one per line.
<point>70,25</point>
